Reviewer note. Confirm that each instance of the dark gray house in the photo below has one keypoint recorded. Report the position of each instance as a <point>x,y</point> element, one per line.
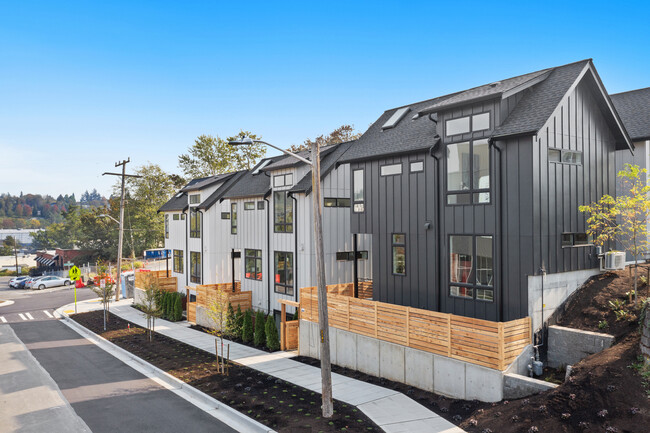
<point>471,196</point>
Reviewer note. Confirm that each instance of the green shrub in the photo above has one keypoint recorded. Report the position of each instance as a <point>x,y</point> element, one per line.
<point>260,336</point>
<point>247,327</point>
<point>230,321</point>
<point>272,340</point>
<point>178,308</point>
<point>239,322</point>
<point>296,315</point>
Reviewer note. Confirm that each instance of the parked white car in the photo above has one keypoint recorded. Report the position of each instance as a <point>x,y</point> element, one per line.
<point>13,283</point>
<point>30,281</point>
<point>50,281</point>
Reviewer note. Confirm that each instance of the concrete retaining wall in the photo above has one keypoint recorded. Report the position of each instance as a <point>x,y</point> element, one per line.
<point>520,386</point>
<point>567,346</point>
<point>557,288</point>
<point>138,296</point>
<point>645,337</point>
<point>203,318</point>
<point>414,367</point>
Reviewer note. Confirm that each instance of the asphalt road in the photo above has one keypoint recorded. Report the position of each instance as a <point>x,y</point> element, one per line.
<point>108,395</point>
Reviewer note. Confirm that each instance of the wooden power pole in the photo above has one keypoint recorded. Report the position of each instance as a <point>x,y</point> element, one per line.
<point>323,323</point>
<point>123,175</point>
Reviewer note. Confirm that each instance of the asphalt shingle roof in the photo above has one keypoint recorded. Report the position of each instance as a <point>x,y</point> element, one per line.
<point>327,163</point>
<point>252,185</point>
<point>204,182</point>
<point>222,190</point>
<point>634,109</point>
<point>177,203</point>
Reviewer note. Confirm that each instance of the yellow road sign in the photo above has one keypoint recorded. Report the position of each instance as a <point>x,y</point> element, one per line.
<point>74,273</point>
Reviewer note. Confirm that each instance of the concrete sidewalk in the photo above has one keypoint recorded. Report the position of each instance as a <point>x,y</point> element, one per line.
<point>391,410</point>
<point>30,400</point>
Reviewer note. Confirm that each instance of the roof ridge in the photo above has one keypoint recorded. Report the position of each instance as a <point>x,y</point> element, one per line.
<point>630,91</point>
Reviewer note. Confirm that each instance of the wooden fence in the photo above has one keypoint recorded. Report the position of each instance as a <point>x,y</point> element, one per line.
<point>165,281</point>
<point>481,342</point>
<point>288,328</point>
<point>221,294</point>
<point>347,289</point>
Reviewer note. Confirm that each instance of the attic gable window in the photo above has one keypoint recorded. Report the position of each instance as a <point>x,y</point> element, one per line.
<point>283,180</point>
<point>195,199</point>
<point>395,118</point>
<point>467,124</point>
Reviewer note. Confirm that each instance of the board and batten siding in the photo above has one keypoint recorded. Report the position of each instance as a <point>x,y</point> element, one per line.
<point>177,230</point>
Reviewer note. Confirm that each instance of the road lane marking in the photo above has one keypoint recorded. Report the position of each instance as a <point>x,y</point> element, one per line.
<point>29,316</point>
<point>3,320</point>
<point>47,313</point>
<point>22,317</point>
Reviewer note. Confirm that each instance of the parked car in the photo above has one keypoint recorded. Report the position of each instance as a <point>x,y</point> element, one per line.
<point>50,281</point>
<point>21,284</point>
<point>30,281</point>
<point>13,283</point>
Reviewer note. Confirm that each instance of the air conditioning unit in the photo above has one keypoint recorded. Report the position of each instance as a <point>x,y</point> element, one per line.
<point>614,260</point>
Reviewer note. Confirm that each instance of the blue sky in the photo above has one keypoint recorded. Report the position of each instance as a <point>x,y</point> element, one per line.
<point>85,84</point>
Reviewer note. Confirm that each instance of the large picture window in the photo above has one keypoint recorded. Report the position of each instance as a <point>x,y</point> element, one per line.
<point>195,267</point>
<point>399,253</point>
<point>468,172</point>
<point>233,218</point>
<point>282,213</point>
<point>253,264</point>
<point>358,191</point>
<point>178,261</point>
<point>195,223</point>
<point>284,272</point>
<point>471,273</point>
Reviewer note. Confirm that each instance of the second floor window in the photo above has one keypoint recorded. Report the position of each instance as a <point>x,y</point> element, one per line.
<point>195,267</point>
<point>399,253</point>
<point>468,172</point>
<point>284,273</point>
<point>357,191</point>
<point>178,261</point>
<point>166,226</point>
<point>282,213</point>
<point>233,218</point>
<point>195,223</point>
<point>195,198</point>
<point>253,264</point>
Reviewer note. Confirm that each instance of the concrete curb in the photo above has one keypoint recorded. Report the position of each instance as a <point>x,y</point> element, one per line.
<point>217,409</point>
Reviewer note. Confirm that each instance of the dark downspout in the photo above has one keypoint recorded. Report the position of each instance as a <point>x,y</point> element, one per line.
<point>295,245</point>
<point>268,253</point>
<point>187,246</point>
<point>202,252</point>
<point>438,204</point>
<point>232,267</point>
<point>355,267</point>
<point>499,234</point>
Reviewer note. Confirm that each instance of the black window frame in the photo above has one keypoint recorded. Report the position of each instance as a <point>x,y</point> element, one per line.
<point>348,256</point>
<point>360,203</point>
<point>261,205</point>
<point>195,198</point>
<point>282,226</point>
<point>176,217</point>
<point>393,245</point>
<point>421,170</point>
<point>254,256</point>
<point>249,205</point>
<point>472,192</point>
<point>195,223</point>
<point>284,180</point>
<point>563,152</point>
<point>166,226</point>
<point>472,285</point>
<point>336,202</point>
<point>225,215</point>
<point>178,265</point>
<point>470,118</point>
<point>287,289</point>
<point>195,277</point>
<point>233,218</point>
<point>396,164</point>
<point>569,240</point>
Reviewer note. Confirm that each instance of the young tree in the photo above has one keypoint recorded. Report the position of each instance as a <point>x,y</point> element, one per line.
<point>149,306</point>
<point>623,219</point>
<point>105,293</point>
<point>218,311</point>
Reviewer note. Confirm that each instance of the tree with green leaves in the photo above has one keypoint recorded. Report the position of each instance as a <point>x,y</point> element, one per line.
<point>149,307</point>
<point>105,292</point>
<point>623,219</point>
<point>210,155</point>
<point>8,245</point>
<point>340,135</point>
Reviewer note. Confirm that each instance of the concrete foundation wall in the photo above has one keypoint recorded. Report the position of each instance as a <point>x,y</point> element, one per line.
<point>567,346</point>
<point>520,386</point>
<point>414,367</point>
<point>204,319</point>
<point>557,288</point>
<point>645,337</point>
<point>138,296</point>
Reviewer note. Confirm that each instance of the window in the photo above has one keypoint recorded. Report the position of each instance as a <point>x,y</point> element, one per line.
<point>468,172</point>
<point>282,213</point>
<point>462,125</point>
<point>399,254</point>
<point>233,218</point>
<point>336,202</point>
<point>565,156</point>
<point>470,267</point>
<point>195,223</point>
<point>260,205</point>
<point>284,273</point>
<point>166,226</point>
<point>195,199</point>
<point>253,264</point>
<point>358,190</point>
<point>283,180</point>
<point>182,217</point>
<point>348,256</point>
<point>195,267</point>
<point>389,170</point>
<point>178,261</point>
<point>225,215</point>
<point>249,205</point>
<point>576,240</point>
<point>417,166</point>
<point>176,217</point>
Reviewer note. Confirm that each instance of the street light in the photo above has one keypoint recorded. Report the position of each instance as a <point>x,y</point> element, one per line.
<point>325,365</point>
<point>108,216</point>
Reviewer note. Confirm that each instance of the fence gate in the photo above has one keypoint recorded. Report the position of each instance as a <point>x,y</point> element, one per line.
<point>288,328</point>
<point>191,307</point>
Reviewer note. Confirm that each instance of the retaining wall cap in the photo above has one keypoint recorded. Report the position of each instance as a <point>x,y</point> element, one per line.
<point>580,331</point>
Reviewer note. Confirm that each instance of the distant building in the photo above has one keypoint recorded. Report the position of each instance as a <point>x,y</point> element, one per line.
<point>24,236</point>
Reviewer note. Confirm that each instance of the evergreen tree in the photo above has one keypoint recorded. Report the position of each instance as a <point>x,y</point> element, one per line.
<point>260,335</point>
<point>272,340</point>
<point>247,328</point>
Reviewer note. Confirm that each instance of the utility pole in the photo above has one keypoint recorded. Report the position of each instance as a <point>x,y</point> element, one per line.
<point>123,175</point>
<point>323,322</point>
<point>16,255</point>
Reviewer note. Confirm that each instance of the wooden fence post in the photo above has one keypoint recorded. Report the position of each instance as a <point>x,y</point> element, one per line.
<point>501,346</point>
<point>408,326</point>
<point>283,334</point>
<point>376,320</point>
<point>449,335</point>
<point>348,315</point>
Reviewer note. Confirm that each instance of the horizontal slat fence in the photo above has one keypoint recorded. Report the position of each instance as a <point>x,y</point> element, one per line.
<point>165,283</point>
<point>222,293</point>
<point>482,342</point>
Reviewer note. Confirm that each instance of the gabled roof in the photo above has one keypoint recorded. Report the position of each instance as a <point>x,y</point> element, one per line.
<point>177,203</point>
<point>288,161</point>
<point>253,183</point>
<point>327,164</point>
<point>204,182</point>
<point>222,190</point>
<point>634,109</point>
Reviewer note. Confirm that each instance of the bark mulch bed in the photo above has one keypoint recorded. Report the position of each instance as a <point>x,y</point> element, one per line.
<point>273,402</point>
<point>229,337</point>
